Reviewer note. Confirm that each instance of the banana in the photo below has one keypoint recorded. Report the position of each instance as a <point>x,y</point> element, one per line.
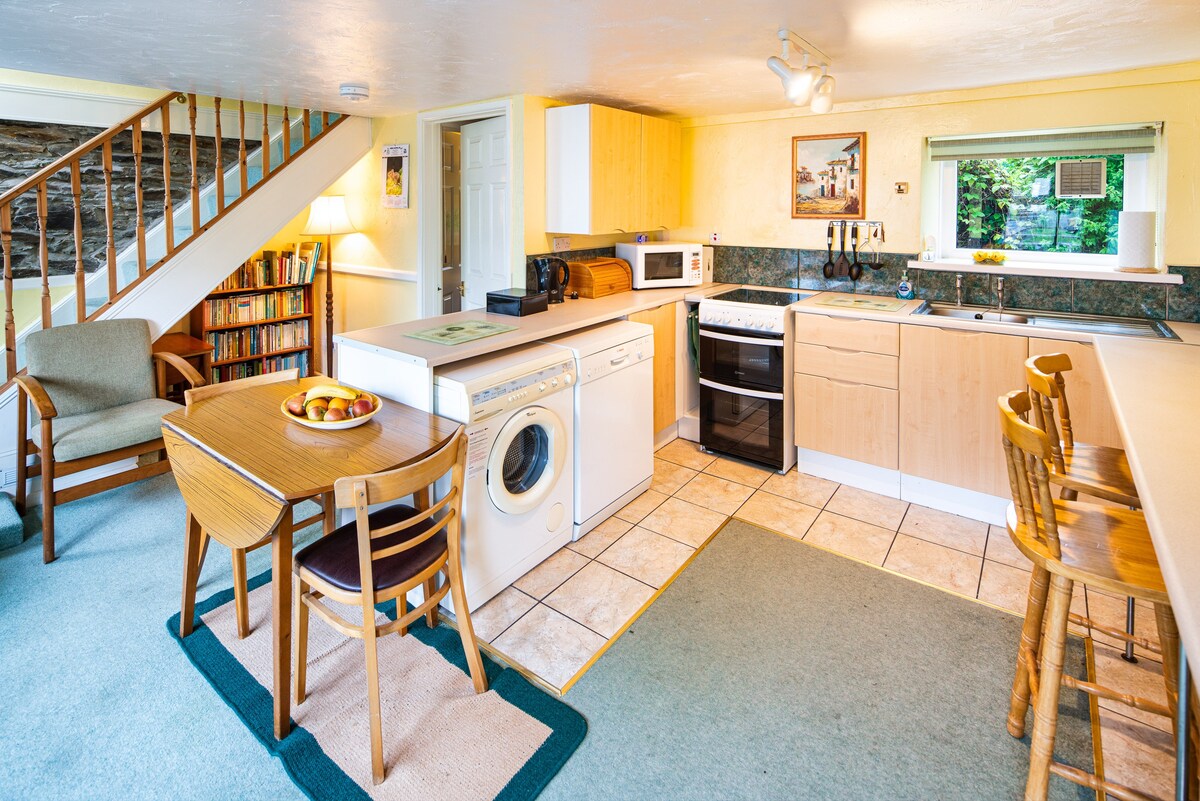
<point>332,391</point>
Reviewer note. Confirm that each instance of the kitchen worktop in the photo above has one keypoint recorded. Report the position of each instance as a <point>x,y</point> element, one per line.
<point>560,318</point>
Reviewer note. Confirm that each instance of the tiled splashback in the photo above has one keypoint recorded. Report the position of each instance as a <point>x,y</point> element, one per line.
<point>787,267</point>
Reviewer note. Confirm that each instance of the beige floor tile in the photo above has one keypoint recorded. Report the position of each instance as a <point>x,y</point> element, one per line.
<point>1144,678</point>
<point>648,557</point>
<point>778,514</point>
<point>1005,586</point>
<point>599,538</point>
<point>1000,548</point>
<point>688,454</point>
<point>1110,611</point>
<point>946,529</point>
<point>718,494</point>
<point>742,473</point>
<point>869,507</point>
<point>549,644</point>
<point>639,507</point>
<point>850,537</point>
<point>669,476</point>
<point>499,613</point>
<point>1137,755</point>
<point>600,598</point>
<point>936,564</point>
<point>801,487</point>
<point>542,580</point>
<point>686,522</point>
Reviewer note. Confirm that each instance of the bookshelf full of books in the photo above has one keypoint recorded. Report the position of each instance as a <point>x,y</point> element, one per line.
<point>260,319</point>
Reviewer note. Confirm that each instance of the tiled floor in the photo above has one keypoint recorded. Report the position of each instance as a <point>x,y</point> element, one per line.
<point>557,618</point>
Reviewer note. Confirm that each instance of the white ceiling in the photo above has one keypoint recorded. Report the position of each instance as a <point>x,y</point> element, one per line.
<point>679,57</point>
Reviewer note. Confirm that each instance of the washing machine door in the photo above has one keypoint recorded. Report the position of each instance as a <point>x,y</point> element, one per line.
<point>526,460</point>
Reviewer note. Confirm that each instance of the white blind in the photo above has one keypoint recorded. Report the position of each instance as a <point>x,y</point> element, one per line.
<point>1140,138</point>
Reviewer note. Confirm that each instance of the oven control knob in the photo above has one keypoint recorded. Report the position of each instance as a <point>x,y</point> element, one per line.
<point>554,382</point>
<point>568,378</point>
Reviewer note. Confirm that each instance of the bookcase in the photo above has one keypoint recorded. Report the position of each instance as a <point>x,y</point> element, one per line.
<point>260,319</point>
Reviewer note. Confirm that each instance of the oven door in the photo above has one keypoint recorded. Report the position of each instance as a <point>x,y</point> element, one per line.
<point>744,423</point>
<point>742,359</point>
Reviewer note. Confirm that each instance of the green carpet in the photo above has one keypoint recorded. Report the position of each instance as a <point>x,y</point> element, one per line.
<point>318,776</point>
<point>772,669</point>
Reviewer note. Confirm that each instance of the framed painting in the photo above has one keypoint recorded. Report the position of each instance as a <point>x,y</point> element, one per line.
<point>395,177</point>
<point>829,176</point>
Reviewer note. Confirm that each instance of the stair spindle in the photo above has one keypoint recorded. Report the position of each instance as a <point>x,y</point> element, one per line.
<point>325,115</point>
<point>80,288</point>
<point>307,121</point>
<point>242,147</point>
<point>287,136</point>
<point>168,207</point>
<point>44,251</point>
<point>138,199</point>
<point>111,243</point>
<point>10,327</point>
<point>220,169</point>
<point>195,166</point>
<point>266,145</point>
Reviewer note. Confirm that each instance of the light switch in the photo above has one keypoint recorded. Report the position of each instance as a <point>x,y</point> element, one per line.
<point>902,187</point>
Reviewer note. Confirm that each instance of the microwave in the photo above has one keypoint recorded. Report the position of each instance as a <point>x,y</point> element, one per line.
<point>659,264</point>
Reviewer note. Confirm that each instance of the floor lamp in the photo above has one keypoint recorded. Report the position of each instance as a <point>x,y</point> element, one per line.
<point>327,217</point>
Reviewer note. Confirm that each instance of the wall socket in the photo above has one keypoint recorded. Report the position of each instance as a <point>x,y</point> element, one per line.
<point>562,243</point>
<point>714,238</point>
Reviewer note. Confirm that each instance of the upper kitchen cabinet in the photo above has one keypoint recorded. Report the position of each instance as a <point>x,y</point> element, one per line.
<point>610,171</point>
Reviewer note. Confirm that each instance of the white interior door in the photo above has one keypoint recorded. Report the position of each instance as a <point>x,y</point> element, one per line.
<point>485,205</point>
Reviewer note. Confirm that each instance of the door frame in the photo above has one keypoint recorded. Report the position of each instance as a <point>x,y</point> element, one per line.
<point>429,196</point>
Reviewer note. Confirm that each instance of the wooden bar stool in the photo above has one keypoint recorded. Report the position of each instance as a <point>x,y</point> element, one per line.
<point>1068,541</point>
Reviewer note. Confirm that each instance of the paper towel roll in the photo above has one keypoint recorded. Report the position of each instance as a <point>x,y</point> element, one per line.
<point>1135,242</point>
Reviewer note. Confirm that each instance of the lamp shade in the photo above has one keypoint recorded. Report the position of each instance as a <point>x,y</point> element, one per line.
<point>327,215</point>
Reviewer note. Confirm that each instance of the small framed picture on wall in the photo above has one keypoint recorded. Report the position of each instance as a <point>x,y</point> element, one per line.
<point>395,177</point>
<point>829,176</point>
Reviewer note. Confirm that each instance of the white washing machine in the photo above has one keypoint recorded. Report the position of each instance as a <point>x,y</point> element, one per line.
<point>518,497</point>
<point>614,418</point>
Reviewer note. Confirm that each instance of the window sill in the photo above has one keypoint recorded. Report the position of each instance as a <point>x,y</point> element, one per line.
<point>1045,271</point>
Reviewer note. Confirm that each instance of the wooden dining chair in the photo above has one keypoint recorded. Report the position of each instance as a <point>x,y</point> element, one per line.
<point>382,555</point>
<point>1068,541</point>
<point>1077,467</point>
<point>240,589</point>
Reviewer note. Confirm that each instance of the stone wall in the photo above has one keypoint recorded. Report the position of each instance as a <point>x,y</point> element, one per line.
<point>26,147</point>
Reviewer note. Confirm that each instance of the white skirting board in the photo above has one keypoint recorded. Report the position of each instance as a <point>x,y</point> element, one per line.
<point>689,425</point>
<point>894,484</point>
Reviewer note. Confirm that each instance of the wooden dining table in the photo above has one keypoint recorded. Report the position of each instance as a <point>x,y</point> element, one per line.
<point>241,464</point>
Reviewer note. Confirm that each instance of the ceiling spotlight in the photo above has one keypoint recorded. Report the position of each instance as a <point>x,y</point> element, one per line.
<point>354,92</point>
<point>822,100</point>
<point>800,84</point>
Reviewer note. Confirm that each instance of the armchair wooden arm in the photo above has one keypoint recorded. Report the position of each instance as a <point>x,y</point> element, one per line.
<point>41,401</point>
<point>185,368</point>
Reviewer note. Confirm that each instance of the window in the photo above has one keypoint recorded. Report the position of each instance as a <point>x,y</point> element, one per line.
<point>1012,192</point>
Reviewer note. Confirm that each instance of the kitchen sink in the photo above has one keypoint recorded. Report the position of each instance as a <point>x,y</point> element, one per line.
<point>1083,323</point>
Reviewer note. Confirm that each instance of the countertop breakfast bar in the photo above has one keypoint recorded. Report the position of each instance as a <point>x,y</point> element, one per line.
<point>1154,387</point>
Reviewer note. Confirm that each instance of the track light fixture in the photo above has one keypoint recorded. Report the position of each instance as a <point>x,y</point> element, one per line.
<point>806,84</point>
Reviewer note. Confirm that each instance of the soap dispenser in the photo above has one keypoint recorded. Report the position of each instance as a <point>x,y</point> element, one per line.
<point>904,289</point>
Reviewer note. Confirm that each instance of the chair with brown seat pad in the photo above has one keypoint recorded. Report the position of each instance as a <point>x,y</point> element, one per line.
<point>1069,541</point>
<point>1095,470</point>
<point>381,556</point>
<point>240,590</point>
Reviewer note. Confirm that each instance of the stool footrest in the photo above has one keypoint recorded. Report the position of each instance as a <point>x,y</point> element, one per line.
<point>1100,691</point>
<point>1150,645</point>
<point>1094,782</point>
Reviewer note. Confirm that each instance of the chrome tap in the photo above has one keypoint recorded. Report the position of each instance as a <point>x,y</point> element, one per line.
<point>958,289</point>
<point>1000,295</point>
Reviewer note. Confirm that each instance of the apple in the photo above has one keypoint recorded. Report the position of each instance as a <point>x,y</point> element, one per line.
<point>336,414</point>
<point>362,406</point>
<point>315,411</point>
<point>295,405</point>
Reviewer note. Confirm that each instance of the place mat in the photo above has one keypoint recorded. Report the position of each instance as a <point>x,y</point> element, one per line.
<point>458,333</point>
<point>440,738</point>
<point>865,304</point>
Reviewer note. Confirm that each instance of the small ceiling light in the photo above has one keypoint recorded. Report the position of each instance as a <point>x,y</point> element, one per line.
<point>354,92</point>
<point>800,84</point>
<point>822,100</point>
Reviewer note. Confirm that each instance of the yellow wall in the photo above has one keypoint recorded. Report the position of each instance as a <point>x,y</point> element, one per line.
<point>736,169</point>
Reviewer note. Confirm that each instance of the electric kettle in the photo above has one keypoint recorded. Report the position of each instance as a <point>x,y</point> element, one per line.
<point>552,277</point>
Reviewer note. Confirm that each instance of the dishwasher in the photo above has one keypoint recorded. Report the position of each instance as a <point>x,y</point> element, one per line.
<point>614,418</point>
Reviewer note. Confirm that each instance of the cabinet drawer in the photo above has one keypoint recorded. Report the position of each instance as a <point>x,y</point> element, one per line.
<point>846,332</point>
<point>854,421</point>
<point>855,366</point>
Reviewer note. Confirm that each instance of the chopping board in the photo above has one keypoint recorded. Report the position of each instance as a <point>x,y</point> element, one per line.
<point>595,278</point>
<point>865,304</point>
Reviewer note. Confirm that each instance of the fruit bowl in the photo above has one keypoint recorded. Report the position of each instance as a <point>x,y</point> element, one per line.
<point>313,394</point>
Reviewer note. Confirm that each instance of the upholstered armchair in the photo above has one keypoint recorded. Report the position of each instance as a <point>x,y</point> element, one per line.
<point>92,387</point>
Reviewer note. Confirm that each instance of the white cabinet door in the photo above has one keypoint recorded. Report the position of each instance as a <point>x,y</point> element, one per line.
<point>485,245</point>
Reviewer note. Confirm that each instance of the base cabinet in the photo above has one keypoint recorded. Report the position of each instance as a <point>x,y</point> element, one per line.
<point>854,421</point>
<point>662,319</point>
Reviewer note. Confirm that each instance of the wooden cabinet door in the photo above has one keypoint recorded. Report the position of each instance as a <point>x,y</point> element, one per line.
<point>854,421</point>
<point>949,421</point>
<point>660,155</point>
<point>616,176</point>
<point>662,320</point>
<point>1087,395</point>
